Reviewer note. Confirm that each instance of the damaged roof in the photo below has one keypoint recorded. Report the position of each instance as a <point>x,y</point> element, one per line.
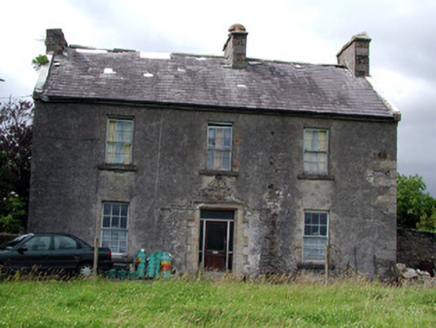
<point>208,81</point>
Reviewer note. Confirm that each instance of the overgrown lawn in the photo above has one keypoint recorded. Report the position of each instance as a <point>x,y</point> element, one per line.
<point>224,303</point>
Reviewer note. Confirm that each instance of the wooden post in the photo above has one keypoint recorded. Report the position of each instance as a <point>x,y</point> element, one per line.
<point>95,266</point>
<point>326,263</point>
<point>96,244</point>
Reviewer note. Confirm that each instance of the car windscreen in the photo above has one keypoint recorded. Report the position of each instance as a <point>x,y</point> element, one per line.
<point>11,243</point>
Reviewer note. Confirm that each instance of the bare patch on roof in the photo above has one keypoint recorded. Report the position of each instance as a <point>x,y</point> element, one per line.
<point>241,86</point>
<point>109,71</point>
<point>155,55</point>
<point>92,51</point>
<point>200,58</point>
<point>148,75</point>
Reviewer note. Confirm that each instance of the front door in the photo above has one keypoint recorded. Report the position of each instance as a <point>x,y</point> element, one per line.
<point>215,245</point>
<point>216,240</point>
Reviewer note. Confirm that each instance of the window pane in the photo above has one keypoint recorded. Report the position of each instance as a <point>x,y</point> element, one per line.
<point>227,138</point>
<point>210,158</point>
<point>115,209</point>
<point>323,230</point>
<point>226,160</point>
<point>123,222</point>
<point>106,222</point>
<point>106,209</point>
<point>323,218</point>
<point>307,218</point>
<point>315,218</point>
<point>124,208</point>
<point>322,142</point>
<point>307,231</point>
<point>211,137</point>
<point>112,131</point>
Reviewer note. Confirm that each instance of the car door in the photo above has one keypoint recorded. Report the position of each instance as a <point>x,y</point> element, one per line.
<point>65,253</point>
<point>32,253</point>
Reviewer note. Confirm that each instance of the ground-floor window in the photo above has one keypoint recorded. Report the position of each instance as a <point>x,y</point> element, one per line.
<point>216,240</point>
<point>315,236</point>
<point>114,225</point>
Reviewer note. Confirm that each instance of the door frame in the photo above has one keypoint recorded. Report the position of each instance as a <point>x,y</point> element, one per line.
<point>241,241</point>
<point>228,266</point>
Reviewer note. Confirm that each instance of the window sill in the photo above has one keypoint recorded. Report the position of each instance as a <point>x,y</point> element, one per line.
<point>306,176</point>
<point>314,266</point>
<point>117,167</point>
<point>217,172</point>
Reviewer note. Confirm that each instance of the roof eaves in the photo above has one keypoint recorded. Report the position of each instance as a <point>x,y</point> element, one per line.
<point>203,107</point>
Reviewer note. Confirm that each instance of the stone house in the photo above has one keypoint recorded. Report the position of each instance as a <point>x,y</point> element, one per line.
<point>227,162</point>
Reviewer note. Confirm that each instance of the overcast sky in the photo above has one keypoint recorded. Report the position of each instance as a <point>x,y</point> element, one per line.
<point>402,53</point>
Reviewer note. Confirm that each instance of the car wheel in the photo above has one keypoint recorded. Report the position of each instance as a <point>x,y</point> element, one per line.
<point>3,270</point>
<point>85,270</point>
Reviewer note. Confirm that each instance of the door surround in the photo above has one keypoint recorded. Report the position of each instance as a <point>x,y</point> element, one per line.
<point>240,241</point>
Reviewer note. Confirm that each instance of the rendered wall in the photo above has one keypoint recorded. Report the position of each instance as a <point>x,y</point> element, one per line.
<point>169,184</point>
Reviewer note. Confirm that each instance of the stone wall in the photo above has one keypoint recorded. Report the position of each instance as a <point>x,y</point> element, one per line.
<point>168,184</point>
<point>415,247</point>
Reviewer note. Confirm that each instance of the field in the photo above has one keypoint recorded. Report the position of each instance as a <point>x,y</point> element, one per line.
<point>210,303</point>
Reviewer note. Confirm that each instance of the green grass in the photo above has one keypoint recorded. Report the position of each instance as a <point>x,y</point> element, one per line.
<point>206,303</point>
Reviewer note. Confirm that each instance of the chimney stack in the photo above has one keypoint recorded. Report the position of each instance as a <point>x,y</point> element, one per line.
<point>355,55</point>
<point>55,41</point>
<point>235,48</point>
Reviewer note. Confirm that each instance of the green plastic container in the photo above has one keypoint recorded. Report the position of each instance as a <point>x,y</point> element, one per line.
<point>140,260</point>
<point>151,268</point>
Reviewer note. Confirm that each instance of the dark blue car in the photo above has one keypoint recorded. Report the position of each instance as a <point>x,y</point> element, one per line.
<point>52,252</point>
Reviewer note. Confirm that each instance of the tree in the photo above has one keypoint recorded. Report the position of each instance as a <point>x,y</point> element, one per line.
<point>15,156</point>
<point>416,209</point>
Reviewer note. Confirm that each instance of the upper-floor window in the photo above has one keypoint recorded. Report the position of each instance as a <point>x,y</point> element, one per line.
<point>315,236</point>
<point>119,141</point>
<point>315,158</point>
<point>114,226</point>
<point>219,146</point>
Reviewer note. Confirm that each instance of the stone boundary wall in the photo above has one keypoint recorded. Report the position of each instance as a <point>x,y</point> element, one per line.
<point>414,248</point>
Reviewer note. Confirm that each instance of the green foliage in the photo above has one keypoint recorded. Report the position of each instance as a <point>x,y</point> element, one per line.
<point>416,209</point>
<point>39,61</point>
<point>104,303</point>
<point>15,156</point>
<point>15,209</point>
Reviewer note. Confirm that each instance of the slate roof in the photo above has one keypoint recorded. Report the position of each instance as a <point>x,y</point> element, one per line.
<point>208,81</point>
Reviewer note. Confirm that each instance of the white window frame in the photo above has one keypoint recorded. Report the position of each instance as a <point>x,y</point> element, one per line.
<point>317,234</point>
<point>313,153</point>
<point>117,230</point>
<point>123,157</point>
<point>212,149</point>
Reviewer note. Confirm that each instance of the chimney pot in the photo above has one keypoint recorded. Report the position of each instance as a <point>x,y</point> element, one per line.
<point>235,49</point>
<point>355,54</point>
